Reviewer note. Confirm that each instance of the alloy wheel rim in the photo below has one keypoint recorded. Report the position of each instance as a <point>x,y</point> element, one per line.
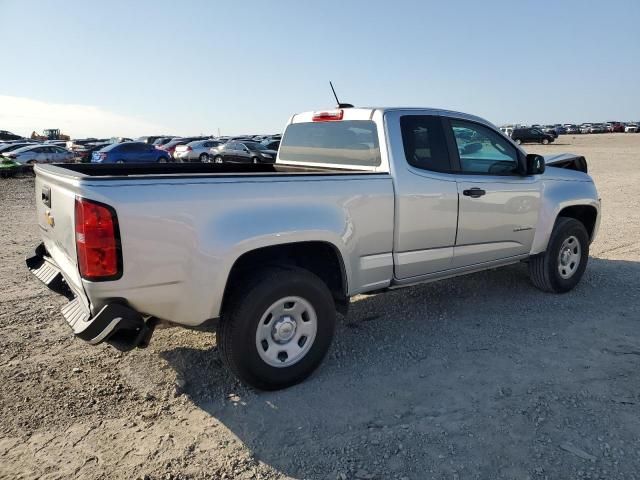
<point>569,257</point>
<point>286,331</point>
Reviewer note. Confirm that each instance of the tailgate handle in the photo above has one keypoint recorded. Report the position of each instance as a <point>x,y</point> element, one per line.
<point>46,196</point>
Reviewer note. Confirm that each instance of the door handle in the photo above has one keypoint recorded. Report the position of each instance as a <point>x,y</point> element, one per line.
<point>475,192</point>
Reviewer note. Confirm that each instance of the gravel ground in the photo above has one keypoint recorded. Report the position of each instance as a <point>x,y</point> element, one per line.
<point>480,377</point>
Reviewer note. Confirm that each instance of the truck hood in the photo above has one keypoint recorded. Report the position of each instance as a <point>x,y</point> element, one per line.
<point>567,167</point>
<point>569,161</point>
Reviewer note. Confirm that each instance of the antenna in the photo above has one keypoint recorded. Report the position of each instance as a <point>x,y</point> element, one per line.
<point>340,105</point>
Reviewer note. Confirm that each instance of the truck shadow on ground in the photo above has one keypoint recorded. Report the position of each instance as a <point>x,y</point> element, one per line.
<point>464,369</point>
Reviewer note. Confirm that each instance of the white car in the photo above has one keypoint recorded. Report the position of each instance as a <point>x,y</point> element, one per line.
<point>507,131</point>
<point>632,128</point>
<point>40,154</point>
<point>196,151</point>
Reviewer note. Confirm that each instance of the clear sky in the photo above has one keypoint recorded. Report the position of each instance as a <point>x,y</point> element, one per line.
<point>133,67</point>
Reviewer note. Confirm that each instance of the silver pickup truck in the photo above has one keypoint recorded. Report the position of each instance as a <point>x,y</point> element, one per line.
<point>359,200</point>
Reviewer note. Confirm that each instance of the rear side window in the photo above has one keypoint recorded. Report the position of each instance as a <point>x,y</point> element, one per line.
<point>353,142</point>
<point>424,143</point>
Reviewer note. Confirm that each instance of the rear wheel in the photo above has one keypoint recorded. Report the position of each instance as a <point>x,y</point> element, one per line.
<point>218,159</point>
<point>204,157</point>
<point>162,160</point>
<point>276,330</point>
<point>545,141</point>
<point>561,267</point>
<point>518,141</point>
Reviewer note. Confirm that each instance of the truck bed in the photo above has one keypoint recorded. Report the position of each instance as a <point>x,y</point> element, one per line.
<point>111,171</point>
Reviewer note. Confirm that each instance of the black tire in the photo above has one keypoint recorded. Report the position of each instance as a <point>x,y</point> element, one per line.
<point>518,141</point>
<point>236,332</point>
<point>545,141</point>
<point>218,159</point>
<point>204,158</point>
<point>544,269</point>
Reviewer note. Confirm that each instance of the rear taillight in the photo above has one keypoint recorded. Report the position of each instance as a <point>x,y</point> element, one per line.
<point>97,241</point>
<point>328,116</point>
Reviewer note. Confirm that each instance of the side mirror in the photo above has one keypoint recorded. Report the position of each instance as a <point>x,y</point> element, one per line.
<point>534,164</point>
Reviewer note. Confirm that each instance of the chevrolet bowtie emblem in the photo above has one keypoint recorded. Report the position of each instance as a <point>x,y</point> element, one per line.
<point>49,218</point>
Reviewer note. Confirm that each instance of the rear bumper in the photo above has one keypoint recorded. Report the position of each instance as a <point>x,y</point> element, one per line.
<point>115,323</point>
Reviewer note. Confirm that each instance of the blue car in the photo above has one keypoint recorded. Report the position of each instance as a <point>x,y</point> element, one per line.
<point>130,152</point>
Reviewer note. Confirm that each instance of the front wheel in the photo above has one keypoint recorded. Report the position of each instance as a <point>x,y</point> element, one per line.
<point>204,158</point>
<point>518,141</point>
<point>218,159</point>
<point>277,328</point>
<point>561,267</point>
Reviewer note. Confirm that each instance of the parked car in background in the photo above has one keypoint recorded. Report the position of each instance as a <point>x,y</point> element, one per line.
<point>148,139</point>
<point>560,129</point>
<point>585,128</point>
<point>197,150</point>
<point>631,128</point>
<point>119,140</point>
<point>597,128</point>
<point>531,135</point>
<point>243,152</point>
<point>130,152</point>
<point>615,127</point>
<point>6,135</point>
<point>507,131</point>
<point>84,155</point>
<point>271,144</point>
<point>77,143</point>
<point>170,147</point>
<point>550,130</point>
<point>10,147</point>
<point>162,141</point>
<point>573,129</point>
<point>37,153</point>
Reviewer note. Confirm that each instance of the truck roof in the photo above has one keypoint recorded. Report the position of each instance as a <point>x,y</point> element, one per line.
<point>366,113</point>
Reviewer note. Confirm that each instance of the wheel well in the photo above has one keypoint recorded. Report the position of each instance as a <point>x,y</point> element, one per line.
<point>583,213</point>
<point>320,258</point>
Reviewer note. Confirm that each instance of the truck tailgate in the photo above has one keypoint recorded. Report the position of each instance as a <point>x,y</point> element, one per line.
<point>55,210</point>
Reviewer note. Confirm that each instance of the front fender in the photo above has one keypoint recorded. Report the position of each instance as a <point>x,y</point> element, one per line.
<point>556,196</point>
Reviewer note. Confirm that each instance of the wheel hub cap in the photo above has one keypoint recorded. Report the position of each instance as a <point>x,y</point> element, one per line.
<point>283,329</point>
<point>286,331</point>
<point>569,257</point>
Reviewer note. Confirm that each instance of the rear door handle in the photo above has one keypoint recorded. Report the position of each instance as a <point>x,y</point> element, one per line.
<point>475,192</point>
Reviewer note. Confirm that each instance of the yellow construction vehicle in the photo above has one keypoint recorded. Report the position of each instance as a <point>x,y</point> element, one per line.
<point>50,134</point>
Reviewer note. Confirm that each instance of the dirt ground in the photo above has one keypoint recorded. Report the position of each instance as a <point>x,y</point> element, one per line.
<point>480,377</point>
